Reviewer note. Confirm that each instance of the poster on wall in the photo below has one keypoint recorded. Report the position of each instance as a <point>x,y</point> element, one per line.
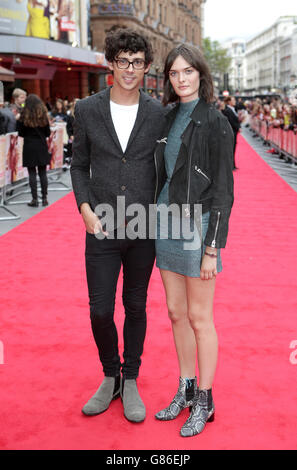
<point>47,19</point>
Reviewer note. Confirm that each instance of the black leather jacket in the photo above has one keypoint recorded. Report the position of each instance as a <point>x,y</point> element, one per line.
<point>203,171</point>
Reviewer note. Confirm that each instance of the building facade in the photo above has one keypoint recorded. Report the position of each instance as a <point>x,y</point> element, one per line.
<point>61,53</point>
<point>44,49</point>
<point>236,72</point>
<point>263,56</point>
<point>288,62</point>
<point>164,22</point>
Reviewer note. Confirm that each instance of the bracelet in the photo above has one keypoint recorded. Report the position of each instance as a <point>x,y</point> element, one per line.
<point>212,255</point>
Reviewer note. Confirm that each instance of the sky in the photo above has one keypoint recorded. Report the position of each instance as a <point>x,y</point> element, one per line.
<point>225,19</point>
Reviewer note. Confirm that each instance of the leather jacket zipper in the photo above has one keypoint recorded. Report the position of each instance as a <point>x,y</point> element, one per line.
<point>187,209</point>
<point>213,243</point>
<point>201,172</point>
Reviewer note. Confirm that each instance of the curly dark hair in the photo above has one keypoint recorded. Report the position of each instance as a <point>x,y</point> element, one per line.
<point>127,40</point>
<point>196,59</point>
<point>34,113</point>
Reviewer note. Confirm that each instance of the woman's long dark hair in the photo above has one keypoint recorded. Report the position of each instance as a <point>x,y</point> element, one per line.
<point>34,113</point>
<point>55,108</point>
<point>196,59</point>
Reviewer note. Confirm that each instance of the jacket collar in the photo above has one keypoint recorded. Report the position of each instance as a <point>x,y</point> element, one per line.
<point>104,107</point>
<point>198,115</point>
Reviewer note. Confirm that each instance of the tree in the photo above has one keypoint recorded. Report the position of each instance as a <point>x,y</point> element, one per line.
<point>217,59</point>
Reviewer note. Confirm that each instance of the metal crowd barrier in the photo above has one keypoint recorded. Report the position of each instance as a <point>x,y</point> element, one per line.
<point>10,189</point>
<point>284,142</point>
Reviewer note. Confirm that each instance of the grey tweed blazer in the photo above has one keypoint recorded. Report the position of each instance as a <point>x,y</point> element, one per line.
<point>100,171</point>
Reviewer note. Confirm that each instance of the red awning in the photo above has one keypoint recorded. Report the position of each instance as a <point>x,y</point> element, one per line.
<point>6,75</point>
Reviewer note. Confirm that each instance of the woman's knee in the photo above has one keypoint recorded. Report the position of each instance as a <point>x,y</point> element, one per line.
<point>176,311</point>
<point>201,321</point>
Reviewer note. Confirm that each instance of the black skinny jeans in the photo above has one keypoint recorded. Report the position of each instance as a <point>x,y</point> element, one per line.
<point>104,259</point>
<point>33,181</point>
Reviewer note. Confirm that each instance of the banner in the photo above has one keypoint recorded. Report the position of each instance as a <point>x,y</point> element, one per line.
<point>64,21</point>
<point>56,145</point>
<point>11,154</point>
<point>14,158</point>
<point>47,19</point>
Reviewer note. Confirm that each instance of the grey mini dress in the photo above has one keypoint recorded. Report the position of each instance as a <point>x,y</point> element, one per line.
<point>179,243</point>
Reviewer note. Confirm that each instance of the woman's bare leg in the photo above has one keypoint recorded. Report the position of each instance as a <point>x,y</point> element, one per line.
<point>184,337</point>
<point>200,294</point>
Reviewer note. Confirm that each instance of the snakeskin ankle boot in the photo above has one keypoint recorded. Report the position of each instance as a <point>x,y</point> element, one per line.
<point>203,411</point>
<point>183,398</point>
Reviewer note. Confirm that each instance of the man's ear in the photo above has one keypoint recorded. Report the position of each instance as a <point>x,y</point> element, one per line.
<point>146,70</point>
<point>110,65</point>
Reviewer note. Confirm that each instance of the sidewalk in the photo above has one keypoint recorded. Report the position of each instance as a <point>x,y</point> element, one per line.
<point>288,171</point>
<point>26,212</point>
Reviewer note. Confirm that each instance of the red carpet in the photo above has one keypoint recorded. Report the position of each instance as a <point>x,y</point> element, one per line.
<point>50,366</point>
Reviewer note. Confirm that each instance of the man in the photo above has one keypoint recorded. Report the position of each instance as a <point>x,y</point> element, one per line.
<point>8,119</point>
<point>232,116</point>
<point>19,97</point>
<point>115,132</point>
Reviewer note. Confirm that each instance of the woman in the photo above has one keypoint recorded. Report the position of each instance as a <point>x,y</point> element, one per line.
<point>59,113</point>
<point>33,126</point>
<point>194,158</point>
<point>69,128</point>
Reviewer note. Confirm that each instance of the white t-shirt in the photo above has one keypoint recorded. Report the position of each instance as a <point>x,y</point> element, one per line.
<point>123,118</point>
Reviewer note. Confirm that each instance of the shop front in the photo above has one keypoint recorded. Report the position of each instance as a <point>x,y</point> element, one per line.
<point>43,47</point>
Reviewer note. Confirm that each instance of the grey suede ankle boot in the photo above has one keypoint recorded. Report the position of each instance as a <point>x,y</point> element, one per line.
<point>109,390</point>
<point>134,409</point>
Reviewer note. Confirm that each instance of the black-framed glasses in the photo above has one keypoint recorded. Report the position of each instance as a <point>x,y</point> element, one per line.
<point>137,64</point>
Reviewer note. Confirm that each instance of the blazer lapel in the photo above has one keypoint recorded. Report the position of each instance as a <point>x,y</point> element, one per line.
<point>104,108</point>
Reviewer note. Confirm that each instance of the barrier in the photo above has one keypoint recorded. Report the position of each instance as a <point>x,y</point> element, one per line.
<point>14,177</point>
<point>283,141</point>
<point>5,152</point>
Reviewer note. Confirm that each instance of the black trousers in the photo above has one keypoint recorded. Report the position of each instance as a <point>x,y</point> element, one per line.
<point>104,259</point>
<point>33,180</point>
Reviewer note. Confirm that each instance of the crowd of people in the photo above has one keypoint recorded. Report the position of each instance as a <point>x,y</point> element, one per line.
<point>275,111</point>
<point>59,110</point>
<point>28,115</point>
